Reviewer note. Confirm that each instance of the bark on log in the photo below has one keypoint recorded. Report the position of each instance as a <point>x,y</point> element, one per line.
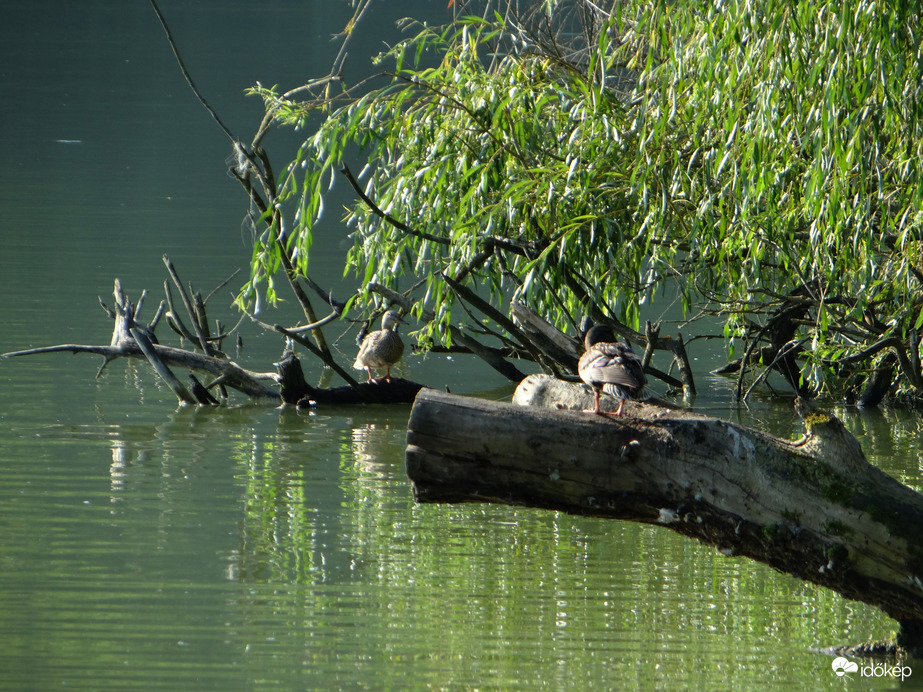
<point>814,508</point>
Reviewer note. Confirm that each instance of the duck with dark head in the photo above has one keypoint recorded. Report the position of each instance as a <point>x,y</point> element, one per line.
<point>611,367</point>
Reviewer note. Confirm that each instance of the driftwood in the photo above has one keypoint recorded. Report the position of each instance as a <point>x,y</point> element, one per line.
<point>296,390</point>
<point>132,339</point>
<point>814,508</point>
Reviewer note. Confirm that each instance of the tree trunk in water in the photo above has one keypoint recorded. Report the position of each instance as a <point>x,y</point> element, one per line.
<point>814,508</point>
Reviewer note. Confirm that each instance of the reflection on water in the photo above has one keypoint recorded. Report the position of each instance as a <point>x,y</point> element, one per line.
<point>260,548</point>
<point>265,549</point>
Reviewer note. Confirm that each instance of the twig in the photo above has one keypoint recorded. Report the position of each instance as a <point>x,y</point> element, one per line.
<point>324,356</point>
<point>745,360</point>
<point>221,285</point>
<point>784,351</point>
<point>186,75</point>
<point>201,336</point>
<point>327,296</point>
<point>375,209</point>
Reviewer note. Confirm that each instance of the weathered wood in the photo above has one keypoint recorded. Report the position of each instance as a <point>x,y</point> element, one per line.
<point>814,507</point>
<point>555,344</point>
<point>296,390</point>
<point>192,309</point>
<point>201,393</point>
<point>131,339</point>
<point>231,374</point>
<point>150,352</point>
<point>549,392</point>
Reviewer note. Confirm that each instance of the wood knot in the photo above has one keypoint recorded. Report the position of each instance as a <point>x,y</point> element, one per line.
<point>829,441</point>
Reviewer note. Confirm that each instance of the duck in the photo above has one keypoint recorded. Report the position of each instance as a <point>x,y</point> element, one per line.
<point>610,366</point>
<point>381,348</point>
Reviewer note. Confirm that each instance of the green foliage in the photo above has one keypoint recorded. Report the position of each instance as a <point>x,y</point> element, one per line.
<point>802,145</point>
<point>757,155</point>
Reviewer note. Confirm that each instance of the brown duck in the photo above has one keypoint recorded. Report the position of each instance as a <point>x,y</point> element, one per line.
<point>611,367</point>
<point>381,348</point>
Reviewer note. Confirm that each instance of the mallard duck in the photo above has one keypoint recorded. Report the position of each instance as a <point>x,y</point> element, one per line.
<point>381,348</point>
<point>611,367</point>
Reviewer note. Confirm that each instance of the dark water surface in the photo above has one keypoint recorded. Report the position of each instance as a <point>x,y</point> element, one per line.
<point>144,547</point>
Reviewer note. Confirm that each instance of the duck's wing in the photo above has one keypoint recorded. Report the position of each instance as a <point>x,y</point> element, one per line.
<point>379,349</point>
<point>366,357</point>
<point>610,363</point>
<point>394,347</point>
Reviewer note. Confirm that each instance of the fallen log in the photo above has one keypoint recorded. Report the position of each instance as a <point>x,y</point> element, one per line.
<point>813,508</point>
<point>225,371</point>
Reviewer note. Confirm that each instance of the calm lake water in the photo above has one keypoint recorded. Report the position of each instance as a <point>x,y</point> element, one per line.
<point>145,547</point>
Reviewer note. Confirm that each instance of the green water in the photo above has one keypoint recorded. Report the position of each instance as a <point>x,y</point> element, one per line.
<point>145,547</point>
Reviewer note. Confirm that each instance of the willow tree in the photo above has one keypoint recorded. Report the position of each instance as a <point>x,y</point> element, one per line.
<point>760,160</point>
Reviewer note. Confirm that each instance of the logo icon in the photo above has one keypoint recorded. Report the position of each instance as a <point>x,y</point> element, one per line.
<point>841,666</point>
